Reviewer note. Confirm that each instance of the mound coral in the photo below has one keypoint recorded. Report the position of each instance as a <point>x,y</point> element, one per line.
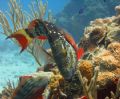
<point>105,34</point>
<point>86,68</point>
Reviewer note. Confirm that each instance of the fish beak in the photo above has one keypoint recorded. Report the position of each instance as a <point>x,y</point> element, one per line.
<point>22,38</point>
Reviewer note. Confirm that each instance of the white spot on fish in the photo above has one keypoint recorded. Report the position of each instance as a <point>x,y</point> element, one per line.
<point>59,33</point>
<point>62,46</point>
<point>50,31</point>
<point>52,26</point>
<point>61,36</point>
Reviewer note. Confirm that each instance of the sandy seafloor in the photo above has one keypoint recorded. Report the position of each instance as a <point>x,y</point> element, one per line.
<point>12,63</point>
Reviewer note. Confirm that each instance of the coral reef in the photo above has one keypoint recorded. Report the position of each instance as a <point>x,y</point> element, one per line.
<point>95,76</point>
<point>86,69</point>
<point>103,37</point>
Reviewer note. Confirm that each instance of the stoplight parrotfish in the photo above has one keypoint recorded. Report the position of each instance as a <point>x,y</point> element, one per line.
<point>64,49</point>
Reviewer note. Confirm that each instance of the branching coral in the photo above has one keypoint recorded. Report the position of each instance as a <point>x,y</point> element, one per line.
<point>8,90</point>
<point>91,89</point>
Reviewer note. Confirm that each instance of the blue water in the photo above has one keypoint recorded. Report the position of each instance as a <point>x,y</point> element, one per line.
<point>13,64</point>
<point>54,5</point>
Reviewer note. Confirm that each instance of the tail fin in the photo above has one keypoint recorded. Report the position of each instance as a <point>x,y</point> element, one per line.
<point>80,53</point>
<point>22,37</point>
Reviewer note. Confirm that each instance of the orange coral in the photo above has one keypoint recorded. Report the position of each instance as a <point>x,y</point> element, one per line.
<point>86,68</point>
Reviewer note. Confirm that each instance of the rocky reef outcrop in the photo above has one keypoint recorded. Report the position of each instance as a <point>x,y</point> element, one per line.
<point>77,14</point>
<point>101,41</point>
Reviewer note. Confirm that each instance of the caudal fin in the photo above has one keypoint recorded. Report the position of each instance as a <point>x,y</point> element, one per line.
<point>80,53</point>
<point>23,39</point>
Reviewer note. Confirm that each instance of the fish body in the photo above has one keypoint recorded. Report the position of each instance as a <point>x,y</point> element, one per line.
<point>64,49</point>
<point>63,52</point>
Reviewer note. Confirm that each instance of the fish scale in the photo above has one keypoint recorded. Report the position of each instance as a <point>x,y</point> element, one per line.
<point>60,47</point>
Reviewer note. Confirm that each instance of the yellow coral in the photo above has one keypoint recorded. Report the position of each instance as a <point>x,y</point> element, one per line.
<point>55,81</point>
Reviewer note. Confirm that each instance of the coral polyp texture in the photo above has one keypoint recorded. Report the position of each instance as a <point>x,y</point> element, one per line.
<point>89,70</point>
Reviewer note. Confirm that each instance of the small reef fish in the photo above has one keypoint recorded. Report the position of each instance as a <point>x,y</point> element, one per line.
<point>81,10</point>
<point>22,37</point>
<point>64,49</point>
<point>32,87</point>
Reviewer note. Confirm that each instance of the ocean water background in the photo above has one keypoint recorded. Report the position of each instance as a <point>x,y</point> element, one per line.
<point>13,64</point>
